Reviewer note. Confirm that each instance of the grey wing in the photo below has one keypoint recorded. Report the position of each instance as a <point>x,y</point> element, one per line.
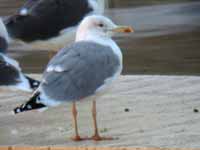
<point>84,68</point>
<point>61,56</point>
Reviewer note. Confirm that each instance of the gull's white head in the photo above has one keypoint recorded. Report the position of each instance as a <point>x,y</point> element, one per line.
<point>98,26</point>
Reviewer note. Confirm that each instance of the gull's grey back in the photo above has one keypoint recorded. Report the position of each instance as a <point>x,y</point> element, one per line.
<point>85,66</point>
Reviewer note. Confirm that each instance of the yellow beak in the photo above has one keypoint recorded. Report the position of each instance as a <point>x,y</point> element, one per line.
<point>123,29</point>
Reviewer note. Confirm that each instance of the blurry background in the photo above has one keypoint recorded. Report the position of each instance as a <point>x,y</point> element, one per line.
<point>166,38</point>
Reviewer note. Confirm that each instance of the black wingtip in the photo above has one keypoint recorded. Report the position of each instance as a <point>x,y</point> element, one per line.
<point>17,110</point>
<point>33,103</point>
<point>34,84</point>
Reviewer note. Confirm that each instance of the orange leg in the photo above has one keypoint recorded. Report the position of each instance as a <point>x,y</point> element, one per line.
<point>96,135</point>
<point>75,113</point>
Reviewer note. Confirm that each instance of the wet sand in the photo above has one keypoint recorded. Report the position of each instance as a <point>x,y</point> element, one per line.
<point>160,114</point>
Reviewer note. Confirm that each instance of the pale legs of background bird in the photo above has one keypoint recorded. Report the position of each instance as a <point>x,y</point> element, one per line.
<point>81,71</point>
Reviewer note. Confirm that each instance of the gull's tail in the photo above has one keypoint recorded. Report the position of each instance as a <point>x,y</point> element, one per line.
<point>33,103</point>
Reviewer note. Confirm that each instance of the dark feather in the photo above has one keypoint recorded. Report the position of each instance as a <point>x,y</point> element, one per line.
<point>9,74</point>
<point>46,18</point>
<point>34,84</point>
<point>3,45</point>
<point>32,104</point>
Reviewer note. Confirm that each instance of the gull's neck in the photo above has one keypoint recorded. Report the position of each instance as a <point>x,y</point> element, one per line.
<point>102,40</point>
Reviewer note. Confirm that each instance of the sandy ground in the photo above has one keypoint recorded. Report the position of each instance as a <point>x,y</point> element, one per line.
<point>161,114</point>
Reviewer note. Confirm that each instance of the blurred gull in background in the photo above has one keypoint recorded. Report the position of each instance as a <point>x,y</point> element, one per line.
<point>10,71</point>
<point>49,24</point>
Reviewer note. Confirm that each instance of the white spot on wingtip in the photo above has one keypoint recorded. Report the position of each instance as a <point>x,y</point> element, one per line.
<point>18,110</point>
<point>14,112</point>
<point>35,83</point>
<point>23,12</point>
<point>29,106</point>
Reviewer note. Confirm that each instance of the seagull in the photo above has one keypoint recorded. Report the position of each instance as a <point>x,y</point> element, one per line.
<point>48,24</point>
<point>85,70</point>
<point>11,75</point>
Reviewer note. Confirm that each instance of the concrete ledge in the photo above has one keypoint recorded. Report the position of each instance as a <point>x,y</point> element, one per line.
<point>142,111</point>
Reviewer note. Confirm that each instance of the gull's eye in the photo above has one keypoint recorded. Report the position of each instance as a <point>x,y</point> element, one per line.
<point>101,25</point>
